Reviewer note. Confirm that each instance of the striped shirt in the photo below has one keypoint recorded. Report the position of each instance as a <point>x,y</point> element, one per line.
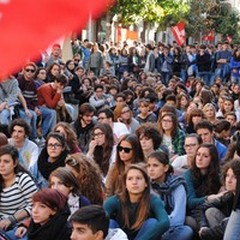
<point>18,196</point>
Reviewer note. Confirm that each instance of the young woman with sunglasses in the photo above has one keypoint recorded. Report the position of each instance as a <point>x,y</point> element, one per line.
<point>63,180</point>
<point>67,131</point>
<point>128,151</point>
<point>101,147</point>
<point>138,213</point>
<point>172,190</point>
<point>88,174</point>
<point>51,157</point>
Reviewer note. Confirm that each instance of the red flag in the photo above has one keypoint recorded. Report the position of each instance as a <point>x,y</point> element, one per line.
<point>178,32</point>
<point>210,36</point>
<point>28,27</point>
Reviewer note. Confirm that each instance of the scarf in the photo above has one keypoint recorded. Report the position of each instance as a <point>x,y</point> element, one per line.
<point>45,167</point>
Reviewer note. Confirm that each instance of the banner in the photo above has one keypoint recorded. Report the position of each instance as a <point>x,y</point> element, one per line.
<point>210,37</point>
<point>27,27</point>
<point>178,32</point>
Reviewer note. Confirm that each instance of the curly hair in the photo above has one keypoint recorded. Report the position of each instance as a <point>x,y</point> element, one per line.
<point>88,175</point>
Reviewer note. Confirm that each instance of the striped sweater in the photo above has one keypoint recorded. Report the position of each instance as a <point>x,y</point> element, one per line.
<point>18,196</point>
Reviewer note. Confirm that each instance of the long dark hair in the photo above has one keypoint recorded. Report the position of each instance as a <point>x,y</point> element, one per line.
<point>210,182</point>
<point>144,202</point>
<point>102,154</point>
<point>13,152</point>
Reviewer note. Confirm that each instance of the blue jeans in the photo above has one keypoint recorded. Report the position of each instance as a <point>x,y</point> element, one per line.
<point>5,117</point>
<point>11,235</point>
<point>206,76</point>
<point>142,230</point>
<point>232,231</point>
<point>178,232</point>
<point>49,120</point>
<point>31,121</point>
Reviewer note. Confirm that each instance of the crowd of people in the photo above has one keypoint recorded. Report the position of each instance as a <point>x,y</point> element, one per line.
<point>122,142</point>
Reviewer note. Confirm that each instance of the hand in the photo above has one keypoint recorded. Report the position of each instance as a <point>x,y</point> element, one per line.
<point>60,103</point>
<point>4,224</point>
<point>3,105</point>
<point>92,146</point>
<point>214,196</point>
<point>38,111</point>
<point>28,113</point>
<point>20,232</point>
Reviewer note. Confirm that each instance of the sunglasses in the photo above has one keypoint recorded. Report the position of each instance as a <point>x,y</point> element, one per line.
<point>29,70</point>
<point>72,162</point>
<point>125,149</point>
<point>77,60</point>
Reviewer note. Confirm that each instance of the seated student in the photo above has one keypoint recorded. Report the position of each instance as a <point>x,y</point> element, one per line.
<point>91,223</point>
<point>222,131</point>
<point>63,180</point>
<point>49,217</point>
<point>135,210</point>
<point>28,150</point>
<point>145,114</point>
<point>171,189</point>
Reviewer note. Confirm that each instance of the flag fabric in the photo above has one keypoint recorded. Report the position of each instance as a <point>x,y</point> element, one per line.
<point>179,34</point>
<point>27,27</point>
<point>210,37</point>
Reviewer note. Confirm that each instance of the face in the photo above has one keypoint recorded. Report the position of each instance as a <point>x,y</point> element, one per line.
<point>205,135</point>
<point>203,158</point>
<point>28,72</point>
<point>71,65</point>
<point>61,130</point>
<point>135,182</point>
<point>228,106</point>
<point>144,108</point>
<point>190,146</point>
<point>99,137</point>
<point>56,183</point>
<point>99,92</point>
<point>55,70</point>
<point>231,119</point>
<point>42,75</point>
<point>87,118</point>
<point>196,118</point>
<point>146,143</point>
<point>184,102</point>
<point>125,113</point>
<point>54,148</point>
<point>83,232</point>
<point>119,100</point>
<point>209,113</point>
<point>102,118</point>
<point>156,170</point>
<point>230,181</point>
<point>56,51</point>
<point>7,165</point>
<point>41,213</point>
<point>18,134</point>
<point>125,152</point>
<point>167,123</point>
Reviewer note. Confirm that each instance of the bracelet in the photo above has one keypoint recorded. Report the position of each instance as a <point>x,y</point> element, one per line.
<point>12,219</point>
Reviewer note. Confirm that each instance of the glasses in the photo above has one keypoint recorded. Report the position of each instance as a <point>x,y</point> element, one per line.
<point>190,145</point>
<point>125,149</point>
<point>72,162</point>
<point>127,111</point>
<point>167,121</point>
<point>29,70</point>
<point>100,134</point>
<point>43,73</point>
<point>77,60</point>
<point>102,118</point>
<point>54,146</point>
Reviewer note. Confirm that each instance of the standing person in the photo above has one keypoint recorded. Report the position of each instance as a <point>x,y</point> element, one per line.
<point>203,182</point>
<point>88,174</point>
<point>84,124</point>
<point>28,150</point>
<point>51,157</point>
<point>128,151</point>
<point>235,66</point>
<point>56,55</point>
<point>170,189</point>
<point>150,59</point>
<point>49,217</point>
<point>173,136</point>
<point>95,61</point>
<point>101,147</point>
<point>138,213</point>
<point>16,189</point>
